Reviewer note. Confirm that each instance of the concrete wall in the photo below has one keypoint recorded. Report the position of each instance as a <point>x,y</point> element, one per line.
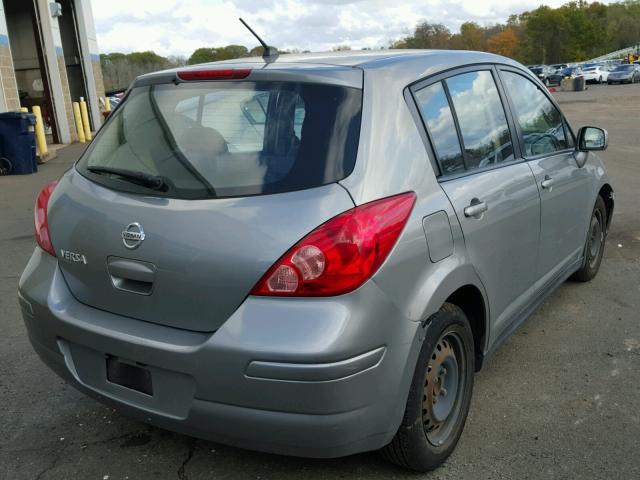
<point>90,57</point>
<point>58,82</point>
<point>9,89</point>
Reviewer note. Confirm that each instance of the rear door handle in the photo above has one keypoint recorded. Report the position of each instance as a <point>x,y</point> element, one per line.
<point>547,183</point>
<point>476,209</point>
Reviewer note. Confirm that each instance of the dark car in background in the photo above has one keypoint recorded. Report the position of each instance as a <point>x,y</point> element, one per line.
<point>543,72</point>
<point>624,74</point>
<point>556,77</point>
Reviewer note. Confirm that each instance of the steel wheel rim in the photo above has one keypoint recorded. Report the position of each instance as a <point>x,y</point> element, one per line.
<point>596,237</point>
<point>443,388</point>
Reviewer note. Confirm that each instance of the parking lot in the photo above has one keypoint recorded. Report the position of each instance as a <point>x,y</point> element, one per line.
<point>561,399</point>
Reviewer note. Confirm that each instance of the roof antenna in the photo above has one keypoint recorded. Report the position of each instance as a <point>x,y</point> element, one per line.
<point>270,53</point>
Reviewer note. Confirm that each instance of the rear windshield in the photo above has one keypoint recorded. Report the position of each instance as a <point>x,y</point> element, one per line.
<point>228,139</point>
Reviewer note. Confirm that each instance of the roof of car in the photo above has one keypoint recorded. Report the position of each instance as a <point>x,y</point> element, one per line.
<point>349,58</point>
<point>359,58</point>
<point>408,64</point>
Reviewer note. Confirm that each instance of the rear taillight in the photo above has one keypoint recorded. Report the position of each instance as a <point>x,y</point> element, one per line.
<point>42,227</point>
<point>218,74</point>
<point>341,254</point>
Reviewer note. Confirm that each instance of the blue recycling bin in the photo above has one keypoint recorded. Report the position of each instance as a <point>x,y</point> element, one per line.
<point>17,143</point>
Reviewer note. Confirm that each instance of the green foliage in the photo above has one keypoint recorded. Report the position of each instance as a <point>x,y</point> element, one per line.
<point>576,31</point>
<point>427,35</point>
<point>120,69</point>
<point>206,54</point>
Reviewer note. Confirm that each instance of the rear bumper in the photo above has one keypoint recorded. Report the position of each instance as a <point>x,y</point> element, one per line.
<point>317,378</point>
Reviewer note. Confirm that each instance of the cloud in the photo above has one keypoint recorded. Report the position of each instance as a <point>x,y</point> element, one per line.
<point>178,27</point>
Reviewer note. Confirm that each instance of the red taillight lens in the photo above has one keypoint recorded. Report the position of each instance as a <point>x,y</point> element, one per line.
<point>341,254</point>
<point>220,74</point>
<point>42,227</point>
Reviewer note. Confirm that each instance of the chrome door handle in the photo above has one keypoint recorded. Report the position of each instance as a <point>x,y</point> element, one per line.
<point>476,208</point>
<point>547,182</point>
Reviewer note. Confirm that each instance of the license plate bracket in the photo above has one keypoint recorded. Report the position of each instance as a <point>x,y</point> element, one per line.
<point>129,376</point>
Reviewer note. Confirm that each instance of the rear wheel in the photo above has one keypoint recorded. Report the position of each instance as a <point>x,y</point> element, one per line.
<point>440,394</point>
<point>594,248</point>
<point>5,166</point>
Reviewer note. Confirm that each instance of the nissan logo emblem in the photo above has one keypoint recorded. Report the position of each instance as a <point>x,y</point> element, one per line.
<point>133,235</point>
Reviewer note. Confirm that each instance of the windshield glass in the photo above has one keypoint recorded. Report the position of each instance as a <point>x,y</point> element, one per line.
<point>224,139</point>
<point>624,68</point>
<point>537,70</point>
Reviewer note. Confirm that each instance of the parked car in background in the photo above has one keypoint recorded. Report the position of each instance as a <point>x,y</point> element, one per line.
<point>250,252</point>
<point>598,74</point>
<point>556,77</point>
<point>543,72</point>
<point>559,66</point>
<point>624,74</point>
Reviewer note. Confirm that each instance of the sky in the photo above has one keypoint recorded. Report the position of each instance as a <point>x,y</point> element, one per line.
<point>178,27</point>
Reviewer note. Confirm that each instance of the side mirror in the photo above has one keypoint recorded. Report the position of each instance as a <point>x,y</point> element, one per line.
<point>592,139</point>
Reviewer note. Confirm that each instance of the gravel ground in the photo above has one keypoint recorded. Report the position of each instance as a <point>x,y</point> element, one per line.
<point>561,399</point>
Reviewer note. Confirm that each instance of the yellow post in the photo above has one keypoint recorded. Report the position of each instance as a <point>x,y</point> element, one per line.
<point>41,140</point>
<point>85,119</point>
<point>79,127</point>
<point>107,104</point>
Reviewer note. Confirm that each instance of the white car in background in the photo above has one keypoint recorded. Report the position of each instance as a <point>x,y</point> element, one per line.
<point>596,73</point>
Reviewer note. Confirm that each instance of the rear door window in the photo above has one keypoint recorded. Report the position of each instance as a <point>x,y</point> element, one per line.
<point>541,123</point>
<point>225,139</point>
<point>482,120</point>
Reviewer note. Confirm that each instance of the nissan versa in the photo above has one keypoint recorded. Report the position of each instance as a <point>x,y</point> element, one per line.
<point>312,255</point>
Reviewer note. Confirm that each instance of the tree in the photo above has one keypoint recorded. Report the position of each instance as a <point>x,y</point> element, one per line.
<point>208,54</point>
<point>504,43</point>
<point>120,69</point>
<point>426,35</point>
<point>472,36</point>
<point>203,55</point>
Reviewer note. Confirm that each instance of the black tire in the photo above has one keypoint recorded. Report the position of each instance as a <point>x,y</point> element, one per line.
<point>5,166</point>
<point>594,246</point>
<point>423,442</point>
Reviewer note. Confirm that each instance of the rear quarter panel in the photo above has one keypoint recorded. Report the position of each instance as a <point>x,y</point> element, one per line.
<point>393,158</point>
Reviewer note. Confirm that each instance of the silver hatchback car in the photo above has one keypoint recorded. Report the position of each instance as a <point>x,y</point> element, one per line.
<point>312,256</point>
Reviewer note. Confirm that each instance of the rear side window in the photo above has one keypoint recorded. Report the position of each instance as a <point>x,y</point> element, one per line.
<point>437,115</point>
<point>483,123</point>
<point>540,121</point>
<point>226,139</point>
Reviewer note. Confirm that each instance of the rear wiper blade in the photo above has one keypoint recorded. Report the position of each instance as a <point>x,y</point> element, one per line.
<point>155,182</point>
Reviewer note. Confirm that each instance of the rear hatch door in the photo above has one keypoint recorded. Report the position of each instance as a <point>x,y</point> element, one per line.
<point>240,172</point>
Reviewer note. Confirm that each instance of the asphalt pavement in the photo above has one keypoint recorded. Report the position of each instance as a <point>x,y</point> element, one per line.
<point>561,399</point>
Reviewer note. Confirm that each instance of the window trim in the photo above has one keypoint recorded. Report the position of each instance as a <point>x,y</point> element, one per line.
<point>414,87</point>
<point>456,122</point>
<point>545,92</point>
<point>414,110</point>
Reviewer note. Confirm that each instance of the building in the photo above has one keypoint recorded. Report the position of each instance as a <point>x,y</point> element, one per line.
<point>49,57</point>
